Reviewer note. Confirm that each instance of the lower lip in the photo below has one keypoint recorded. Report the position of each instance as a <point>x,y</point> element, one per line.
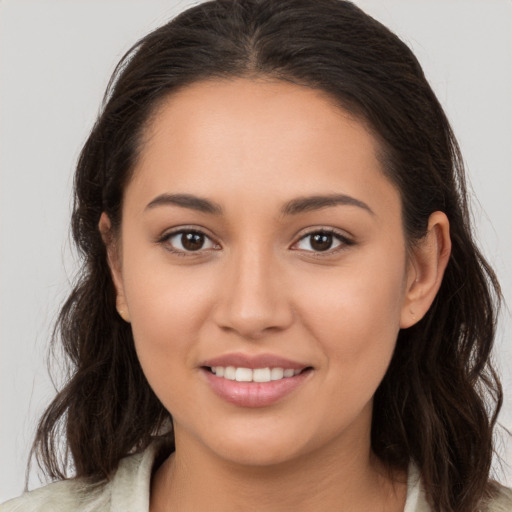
<point>254,394</point>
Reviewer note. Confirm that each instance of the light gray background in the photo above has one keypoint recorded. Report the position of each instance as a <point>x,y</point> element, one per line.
<point>55,60</point>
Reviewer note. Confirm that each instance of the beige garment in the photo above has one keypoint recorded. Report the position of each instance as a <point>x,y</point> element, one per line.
<point>128,491</point>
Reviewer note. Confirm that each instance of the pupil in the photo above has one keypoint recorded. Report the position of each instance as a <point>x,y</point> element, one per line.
<point>192,241</point>
<point>321,241</point>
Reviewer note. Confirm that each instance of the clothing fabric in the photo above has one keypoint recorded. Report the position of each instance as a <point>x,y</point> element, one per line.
<point>128,491</point>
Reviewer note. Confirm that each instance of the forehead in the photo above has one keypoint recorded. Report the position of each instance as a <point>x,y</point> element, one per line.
<point>212,111</point>
<point>244,136</point>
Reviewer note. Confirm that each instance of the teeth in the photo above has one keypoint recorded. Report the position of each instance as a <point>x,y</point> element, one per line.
<point>256,375</point>
<point>229,372</point>
<point>243,375</point>
<point>276,373</point>
<point>261,375</point>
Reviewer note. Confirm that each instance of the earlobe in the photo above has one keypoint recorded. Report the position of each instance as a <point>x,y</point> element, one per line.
<point>123,313</point>
<point>427,264</point>
<point>114,263</point>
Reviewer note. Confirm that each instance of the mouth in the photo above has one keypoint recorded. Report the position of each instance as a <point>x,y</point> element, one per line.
<point>260,375</point>
<point>254,381</point>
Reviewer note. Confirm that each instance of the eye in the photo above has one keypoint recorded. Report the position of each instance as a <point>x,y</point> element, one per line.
<point>322,241</point>
<point>188,240</point>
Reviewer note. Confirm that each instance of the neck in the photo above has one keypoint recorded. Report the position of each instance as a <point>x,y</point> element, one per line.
<point>332,478</point>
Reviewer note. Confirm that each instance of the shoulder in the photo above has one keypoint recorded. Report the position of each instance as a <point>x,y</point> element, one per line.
<point>501,500</point>
<point>127,490</point>
<point>64,496</point>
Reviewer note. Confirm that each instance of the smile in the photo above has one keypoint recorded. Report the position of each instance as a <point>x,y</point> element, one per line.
<point>256,387</point>
<point>253,375</point>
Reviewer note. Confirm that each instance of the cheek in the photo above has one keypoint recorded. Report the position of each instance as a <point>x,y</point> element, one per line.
<point>166,302</point>
<point>167,306</point>
<point>354,316</point>
<point>166,310</point>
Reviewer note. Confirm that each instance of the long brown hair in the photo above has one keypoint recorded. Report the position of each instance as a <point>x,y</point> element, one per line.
<point>438,402</point>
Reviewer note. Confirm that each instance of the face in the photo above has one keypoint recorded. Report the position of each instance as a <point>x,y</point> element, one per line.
<point>261,242</point>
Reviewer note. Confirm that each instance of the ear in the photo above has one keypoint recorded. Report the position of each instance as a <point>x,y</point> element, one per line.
<point>427,263</point>
<point>114,262</point>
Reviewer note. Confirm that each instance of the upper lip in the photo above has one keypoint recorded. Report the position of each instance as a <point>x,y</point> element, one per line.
<point>239,360</point>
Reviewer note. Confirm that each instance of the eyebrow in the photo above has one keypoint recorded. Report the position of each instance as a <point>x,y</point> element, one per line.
<point>310,203</point>
<point>186,201</point>
<point>293,207</point>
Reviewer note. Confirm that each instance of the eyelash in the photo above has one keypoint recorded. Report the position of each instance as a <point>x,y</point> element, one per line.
<point>164,240</point>
<point>344,241</point>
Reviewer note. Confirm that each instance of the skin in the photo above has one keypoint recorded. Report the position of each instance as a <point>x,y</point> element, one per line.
<point>257,285</point>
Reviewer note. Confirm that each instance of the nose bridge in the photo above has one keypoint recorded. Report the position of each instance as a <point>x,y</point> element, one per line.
<point>254,299</point>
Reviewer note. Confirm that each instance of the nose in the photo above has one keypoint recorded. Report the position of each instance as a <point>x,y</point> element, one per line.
<point>254,300</point>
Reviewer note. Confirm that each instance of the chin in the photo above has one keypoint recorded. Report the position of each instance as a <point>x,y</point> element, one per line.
<point>256,449</point>
<point>258,456</point>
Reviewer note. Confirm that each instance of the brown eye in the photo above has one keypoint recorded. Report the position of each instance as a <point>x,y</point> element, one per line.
<point>321,241</point>
<point>192,241</point>
<point>188,241</point>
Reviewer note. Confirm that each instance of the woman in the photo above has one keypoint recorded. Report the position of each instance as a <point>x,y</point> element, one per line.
<point>282,307</point>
